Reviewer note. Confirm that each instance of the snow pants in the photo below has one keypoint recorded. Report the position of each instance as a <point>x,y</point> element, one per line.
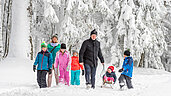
<point>108,79</point>
<point>41,78</point>
<point>128,81</point>
<point>64,76</point>
<point>75,77</point>
<point>90,72</point>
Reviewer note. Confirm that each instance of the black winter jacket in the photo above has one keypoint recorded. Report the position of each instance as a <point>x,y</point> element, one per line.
<point>89,52</point>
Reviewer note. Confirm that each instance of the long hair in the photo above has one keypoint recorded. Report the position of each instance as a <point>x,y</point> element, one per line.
<point>54,41</point>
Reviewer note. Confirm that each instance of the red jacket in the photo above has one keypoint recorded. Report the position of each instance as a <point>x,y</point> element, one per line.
<point>75,65</point>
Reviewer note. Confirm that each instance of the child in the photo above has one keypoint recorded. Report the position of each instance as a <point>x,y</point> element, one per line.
<point>127,69</point>
<point>109,76</point>
<point>62,62</point>
<point>75,69</point>
<point>44,62</point>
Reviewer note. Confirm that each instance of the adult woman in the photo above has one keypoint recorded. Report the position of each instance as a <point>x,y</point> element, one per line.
<point>53,47</point>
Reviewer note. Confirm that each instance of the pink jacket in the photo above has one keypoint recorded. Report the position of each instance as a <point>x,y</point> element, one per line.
<point>62,60</point>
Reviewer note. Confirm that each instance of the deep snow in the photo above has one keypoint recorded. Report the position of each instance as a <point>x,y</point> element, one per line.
<point>18,79</point>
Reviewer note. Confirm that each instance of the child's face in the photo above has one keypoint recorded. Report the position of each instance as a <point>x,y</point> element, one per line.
<point>125,56</point>
<point>44,49</point>
<point>109,70</point>
<point>75,54</point>
<point>63,50</point>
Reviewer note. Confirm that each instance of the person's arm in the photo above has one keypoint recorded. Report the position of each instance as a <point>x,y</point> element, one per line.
<point>56,60</point>
<point>100,55</point>
<point>37,60</point>
<point>68,59</point>
<point>114,76</point>
<point>50,61</point>
<point>81,53</point>
<point>68,62</point>
<point>127,64</point>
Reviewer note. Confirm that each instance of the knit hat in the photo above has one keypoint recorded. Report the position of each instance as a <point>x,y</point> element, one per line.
<point>111,67</point>
<point>43,44</point>
<point>127,53</point>
<point>63,46</point>
<point>93,32</point>
<point>54,36</point>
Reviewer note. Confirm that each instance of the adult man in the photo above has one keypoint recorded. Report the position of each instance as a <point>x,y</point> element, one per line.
<point>88,54</point>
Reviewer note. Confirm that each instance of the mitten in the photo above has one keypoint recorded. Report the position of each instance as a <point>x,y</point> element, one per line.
<point>50,71</point>
<point>82,72</point>
<point>120,70</point>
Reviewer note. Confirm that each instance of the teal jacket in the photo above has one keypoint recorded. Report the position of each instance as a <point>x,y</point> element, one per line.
<point>50,47</point>
<point>43,60</point>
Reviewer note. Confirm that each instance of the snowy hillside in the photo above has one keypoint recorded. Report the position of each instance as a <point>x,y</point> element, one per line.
<point>18,79</point>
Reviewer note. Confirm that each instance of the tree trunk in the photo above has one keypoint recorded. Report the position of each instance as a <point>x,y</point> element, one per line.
<point>31,53</point>
<point>141,64</point>
<point>6,25</point>
<point>1,44</point>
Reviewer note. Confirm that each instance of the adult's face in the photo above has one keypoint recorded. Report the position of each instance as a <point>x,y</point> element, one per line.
<point>93,36</point>
<point>54,40</point>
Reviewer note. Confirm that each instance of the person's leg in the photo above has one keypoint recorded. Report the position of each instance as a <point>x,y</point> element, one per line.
<point>72,77</point>
<point>61,77</point>
<point>121,80</point>
<point>87,73</point>
<point>77,77</point>
<point>128,82</point>
<point>66,77</point>
<point>43,79</point>
<point>56,76</point>
<point>39,78</point>
<point>49,79</point>
<point>93,74</point>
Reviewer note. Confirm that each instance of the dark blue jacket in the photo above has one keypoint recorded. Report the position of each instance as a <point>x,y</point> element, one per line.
<point>44,60</point>
<point>127,66</point>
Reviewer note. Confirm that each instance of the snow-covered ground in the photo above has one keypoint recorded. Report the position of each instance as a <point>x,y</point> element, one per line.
<point>18,79</point>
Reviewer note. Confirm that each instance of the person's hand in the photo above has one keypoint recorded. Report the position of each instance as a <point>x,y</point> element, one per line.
<point>82,72</point>
<point>53,66</point>
<point>34,68</point>
<point>81,63</point>
<point>120,70</point>
<point>50,71</point>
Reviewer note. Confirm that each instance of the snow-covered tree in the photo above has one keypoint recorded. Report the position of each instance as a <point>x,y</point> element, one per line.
<point>138,25</point>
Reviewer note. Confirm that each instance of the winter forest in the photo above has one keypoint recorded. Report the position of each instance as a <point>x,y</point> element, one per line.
<point>143,26</point>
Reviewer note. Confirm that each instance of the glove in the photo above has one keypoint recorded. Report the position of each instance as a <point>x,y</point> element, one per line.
<point>50,71</point>
<point>34,68</point>
<point>120,70</point>
<point>82,72</point>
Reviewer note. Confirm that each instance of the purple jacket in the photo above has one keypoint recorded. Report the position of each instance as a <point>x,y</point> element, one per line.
<point>62,60</point>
